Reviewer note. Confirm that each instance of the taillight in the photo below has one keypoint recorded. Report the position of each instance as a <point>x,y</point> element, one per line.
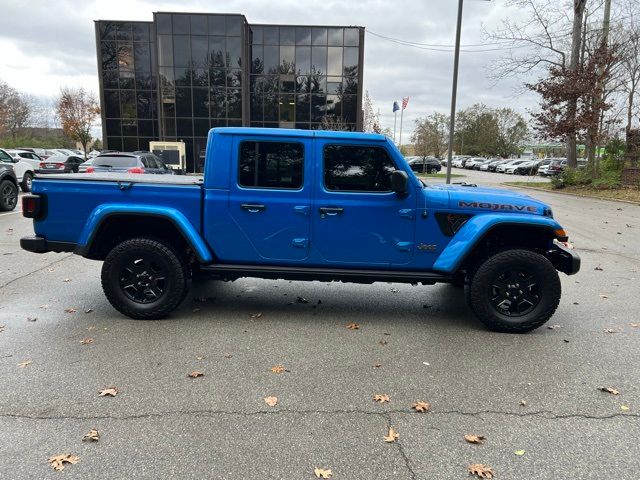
<point>60,165</point>
<point>90,169</point>
<point>135,170</point>
<point>42,164</point>
<point>32,206</point>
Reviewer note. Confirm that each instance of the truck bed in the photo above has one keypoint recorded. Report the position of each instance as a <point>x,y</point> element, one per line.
<point>125,177</point>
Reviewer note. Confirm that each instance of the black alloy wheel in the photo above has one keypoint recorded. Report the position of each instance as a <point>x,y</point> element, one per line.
<point>143,278</point>
<point>8,195</point>
<point>514,292</point>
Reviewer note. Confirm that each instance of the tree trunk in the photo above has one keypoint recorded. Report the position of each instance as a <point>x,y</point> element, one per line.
<point>572,106</point>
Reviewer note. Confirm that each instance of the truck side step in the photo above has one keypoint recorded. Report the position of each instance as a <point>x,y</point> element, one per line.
<point>233,272</point>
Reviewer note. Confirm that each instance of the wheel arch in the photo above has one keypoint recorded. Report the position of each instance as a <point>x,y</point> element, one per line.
<point>480,236</point>
<point>109,226</point>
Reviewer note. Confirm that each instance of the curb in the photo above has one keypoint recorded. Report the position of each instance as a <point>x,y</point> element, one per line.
<point>630,202</point>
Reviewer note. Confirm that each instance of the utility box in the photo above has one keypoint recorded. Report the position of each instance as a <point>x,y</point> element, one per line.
<point>171,153</point>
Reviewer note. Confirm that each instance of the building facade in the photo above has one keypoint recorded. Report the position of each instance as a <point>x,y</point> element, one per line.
<point>182,74</point>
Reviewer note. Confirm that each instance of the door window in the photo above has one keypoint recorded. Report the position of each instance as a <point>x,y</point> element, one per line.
<point>271,165</point>
<point>355,168</point>
<point>5,157</point>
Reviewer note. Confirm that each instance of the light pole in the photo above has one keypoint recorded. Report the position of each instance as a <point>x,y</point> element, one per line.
<point>454,91</point>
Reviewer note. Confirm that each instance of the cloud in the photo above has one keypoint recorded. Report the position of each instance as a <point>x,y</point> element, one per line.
<point>51,44</point>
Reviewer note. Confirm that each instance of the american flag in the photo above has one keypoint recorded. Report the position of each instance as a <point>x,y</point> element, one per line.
<point>405,101</point>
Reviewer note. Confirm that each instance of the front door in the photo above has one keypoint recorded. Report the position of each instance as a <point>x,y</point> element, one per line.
<point>358,219</point>
<point>270,198</point>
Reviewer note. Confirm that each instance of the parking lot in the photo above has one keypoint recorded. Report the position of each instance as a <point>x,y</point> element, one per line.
<point>536,394</point>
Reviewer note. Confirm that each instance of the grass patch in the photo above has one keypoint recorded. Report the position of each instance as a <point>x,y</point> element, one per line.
<point>629,194</point>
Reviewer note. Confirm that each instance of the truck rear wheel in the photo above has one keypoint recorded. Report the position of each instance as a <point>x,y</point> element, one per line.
<point>514,291</point>
<point>144,278</point>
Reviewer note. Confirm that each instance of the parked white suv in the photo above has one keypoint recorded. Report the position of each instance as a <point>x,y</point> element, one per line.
<point>24,168</point>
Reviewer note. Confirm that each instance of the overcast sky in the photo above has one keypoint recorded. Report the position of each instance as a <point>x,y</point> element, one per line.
<point>46,44</point>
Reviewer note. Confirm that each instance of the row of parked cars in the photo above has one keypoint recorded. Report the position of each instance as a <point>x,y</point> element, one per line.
<point>544,167</point>
<point>18,167</point>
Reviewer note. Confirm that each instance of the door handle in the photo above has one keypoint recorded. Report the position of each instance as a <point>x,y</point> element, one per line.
<point>331,210</point>
<point>252,207</point>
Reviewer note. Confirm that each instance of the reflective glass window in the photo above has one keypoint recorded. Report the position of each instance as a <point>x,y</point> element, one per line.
<point>256,35</point>
<point>200,51</point>
<point>144,105</point>
<point>111,104</point>
<point>303,36</point>
<point>181,50</point>
<point>287,36</point>
<point>271,58</point>
<point>357,168</point>
<point>234,52</point>
<point>165,50</point>
<point>128,104</point>
<point>142,57</point>
<point>303,60</point>
<point>107,31</point>
<point>198,24</point>
<point>351,37</point>
<point>335,37</point>
<point>271,165</point>
<point>257,60</point>
<point>234,25</point>
<point>271,36</point>
<point>200,102</point>
<point>334,66</point>
<point>217,51</point>
<point>140,32</point>
<point>216,25</point>
<point>351,55</point>
<point>163,24</point>
<point>319,36</point>
<point>184,127</point>
<point>183,102</point>
<point>287,59</point>
<point>319,60</point>
<point>181,24</point>
<point>109,55</point>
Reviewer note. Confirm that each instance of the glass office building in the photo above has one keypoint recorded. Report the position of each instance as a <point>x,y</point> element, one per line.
<point>182,74</point>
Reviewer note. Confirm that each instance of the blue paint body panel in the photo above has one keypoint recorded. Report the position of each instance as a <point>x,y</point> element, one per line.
<point>373,230</point>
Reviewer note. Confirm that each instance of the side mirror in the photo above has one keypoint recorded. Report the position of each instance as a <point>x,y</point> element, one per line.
<point>399,182</point>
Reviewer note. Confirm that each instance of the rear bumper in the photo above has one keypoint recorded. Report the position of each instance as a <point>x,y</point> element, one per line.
<point>564,259</point>
<point>37,244</point>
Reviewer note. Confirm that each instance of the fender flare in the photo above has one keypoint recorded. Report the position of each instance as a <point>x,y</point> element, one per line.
<point>477,227</point>
<point>105,211</point>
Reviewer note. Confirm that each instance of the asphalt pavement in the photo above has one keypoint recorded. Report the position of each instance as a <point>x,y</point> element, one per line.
<point>538,393</point>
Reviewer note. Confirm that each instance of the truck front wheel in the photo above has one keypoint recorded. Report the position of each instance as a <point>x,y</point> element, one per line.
<point>514,291</point>
<point>144,278</point>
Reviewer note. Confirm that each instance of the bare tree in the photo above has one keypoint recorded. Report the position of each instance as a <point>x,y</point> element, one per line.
<point>78,110</point>
<point>431,135</point>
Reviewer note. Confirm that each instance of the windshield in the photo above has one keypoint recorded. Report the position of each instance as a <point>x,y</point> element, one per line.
<point>117,162</point>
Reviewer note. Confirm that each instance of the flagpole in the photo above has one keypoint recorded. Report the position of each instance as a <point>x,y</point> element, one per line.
<point>400,139</point>
<point>395,117</point>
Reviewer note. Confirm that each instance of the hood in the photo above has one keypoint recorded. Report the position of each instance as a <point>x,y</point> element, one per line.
<point>474,199</point>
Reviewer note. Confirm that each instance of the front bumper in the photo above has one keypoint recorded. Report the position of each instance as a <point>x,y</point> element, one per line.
<point>564,259</point>
<point>37,244</point>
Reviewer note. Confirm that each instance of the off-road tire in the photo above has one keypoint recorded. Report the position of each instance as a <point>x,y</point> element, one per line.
<point>547,284</point>
<point>165,258</point>
<point>8,196</point>
<point>25,185</point>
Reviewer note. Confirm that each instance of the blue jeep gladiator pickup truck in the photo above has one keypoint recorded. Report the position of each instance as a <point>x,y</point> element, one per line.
<point>304,205</point>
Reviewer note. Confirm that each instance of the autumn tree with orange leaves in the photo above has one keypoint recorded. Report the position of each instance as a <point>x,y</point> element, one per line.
<point>78,110</point>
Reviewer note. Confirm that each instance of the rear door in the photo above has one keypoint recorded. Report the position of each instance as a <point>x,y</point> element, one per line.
<point>270,197</point>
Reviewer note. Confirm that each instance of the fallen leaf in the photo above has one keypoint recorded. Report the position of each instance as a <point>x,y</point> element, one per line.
<point>523,403</point>
<point>66,280</point>
<point>353,326</point>
<point>322,473</point>
<point>610,390</point>
<point>599,268</point>
<point>24,364</point>
<point>271,401</point>
<point>91,328</point>
<point>44,307</point>
<point>255,315</point>
<point>88,310</point>
<point>200,357</point>
<point>58,461</point>
<point>110,392</point>
<point>196,374</point>
<point>394,290</point>
<point>377,365</point>
<point>382,342</point>
<point>92,436</point>
<point>381,398</point>
<point>482,471</point>
<point>70,310</point>
<point>32,319</point>
<point>471,438</point>
<point>421,406</point>
<point>610,330</point>
<point>86,341</point>
<point>634,325</point>
<point>278,369</point>
<point>302,300</point>
<point>624,408</point>
<point>391,436</point>
<point>519,452</point>
<point>553,327</point>
<point>227,355</point>
<point>604,296</point>
<point>50,270</point>
<point>2,327</point>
